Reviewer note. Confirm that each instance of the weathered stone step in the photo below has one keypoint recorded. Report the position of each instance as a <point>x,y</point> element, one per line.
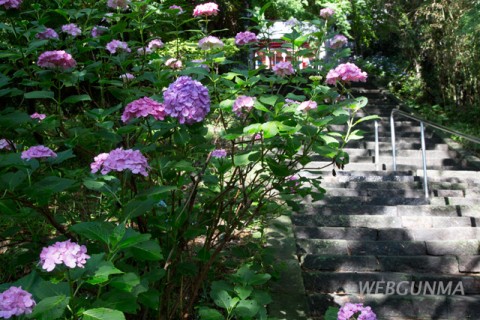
<point>375,200</point>
<point>452,176</point>
<point>400,145</point>
<point>374,192</point>
<point>455,201</point>
<point>405,307</point>
<point>378,185</point>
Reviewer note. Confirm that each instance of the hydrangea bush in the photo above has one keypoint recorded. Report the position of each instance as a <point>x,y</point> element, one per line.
<point>151,159</point>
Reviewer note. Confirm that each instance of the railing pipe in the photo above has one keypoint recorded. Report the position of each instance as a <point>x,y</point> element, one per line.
<point>424,158</point>
<point>377,150</point>
<point>392,134</point>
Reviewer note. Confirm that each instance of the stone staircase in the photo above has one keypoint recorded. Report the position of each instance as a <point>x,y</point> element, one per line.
<point>376,239</point>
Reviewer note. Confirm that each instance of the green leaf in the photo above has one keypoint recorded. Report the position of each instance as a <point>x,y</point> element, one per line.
<point>125,282</point>
<point>355,135</point>
<point>331,314</point>
<point>147,251</point>
<point>103,314</point>
<point>210,314</point>
<point>270,129</point>
<point>94,185</point>
<point>8,207</point>
<point>62,156</point>
<point>105,269</point>
<point>13,120</point>
<point>45,289</point>
<point>245,159</point>
<point>118,300</point>
<point>138,206</point>
<point>243,292</point>
<point>367,118</point>
<point>246,309</point>
<point>253,128</point>
<point>133,238</point>
<point>269,100</point>
<point>45,188</point>
<point>94,230</point>
<point>77,98</point>
<point>50,308</point>
<point>223,299</point>
<point>39,95</point>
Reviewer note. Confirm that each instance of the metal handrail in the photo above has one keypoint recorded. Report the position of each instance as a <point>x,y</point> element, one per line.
<point>423,123</point>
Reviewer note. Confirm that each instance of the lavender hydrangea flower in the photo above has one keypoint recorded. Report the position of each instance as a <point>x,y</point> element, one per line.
<point>120,160</point>
<point>72,29</point>
<point>356,309</point>
<point>283,69</point>
<point>243,104</point>
<point>219,153</point>
<point>115,45</point>
<point>10,4</point>
<point>5,145</point>
<point>246,37</point>
<point>143,107</point>
<point>326,13</point>
<point>338,41</point>
<point>210,42</point>
<point>38,152</point>
<point>39,116</point>
<point>307,105</point>
<point>174,63</point>
<point>346,72</point>
<point>126,77</point>
<point>14,302</point>
<point>118,4</point>
<point>155,44</point>
<point>56,59</point>
<point>97,31</point>
<point>187,100</point>
<point>68,253</point>
<point>175,7</point>
<point>206,9</point>
<point>49,33</point>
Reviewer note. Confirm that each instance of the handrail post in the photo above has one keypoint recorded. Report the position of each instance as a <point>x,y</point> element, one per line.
<point>392,133</point>
<point>424,157</point>
<point>377,151</point>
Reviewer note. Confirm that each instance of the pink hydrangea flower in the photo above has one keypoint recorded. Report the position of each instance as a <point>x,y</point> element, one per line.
<point>39,116</point>
<point>283,69</point>
<point>56,59</point>
<point>243,104</point>
<point>245,37</point>
<point>118,4</point>
<point>38,152</point>
<point>326,13</point>
<point>338,41</point>
<point>356,309</point>
<point>97,31</point>
<point>126,77</point>
<point>219,153</point>
<point>120,160</point>
<point>155,44</point>
<point>5,145</point>
<point>346,72</point>
<point>307,105</point>
<point>68,253</point>
<point>10,4</point>
<point>14,302</point>
<point>206,9</point>
<point>210,42</point>
<point>72,29</point>
<point>187,100</point>
<point>144,107</point>
<point>175,7</point>
<point>49,33</point>
<point>115,45</point>
<point>174,63</point>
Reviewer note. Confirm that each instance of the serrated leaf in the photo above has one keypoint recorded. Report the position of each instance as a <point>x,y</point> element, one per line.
<point>39,95</point>
<point>101,275</point>
<point>77,98</point>
<point>270,129</point>
<point>133,238</point>
<point>245,159</point>
<point>50,308</point>
<point>149,250</point>
<point>125,282</point>
<point>103,314</point>
<point>94,230</point>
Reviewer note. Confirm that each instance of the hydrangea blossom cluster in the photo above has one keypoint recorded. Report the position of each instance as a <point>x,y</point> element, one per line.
<point>5,145</point>
<point>243,104</point>
<point>175,7</point>
<point>71,29</point>
<point>120,160</point>
<point>115,45</point>
<point>10,4</point>
<point>326,13</point>
<point>68,253</point>
<point>210,42</point>
<point>38,152</point>
<point>127,77</point>
<point>346,72</point>
<point>49,33</point>
<point>246,37</point>
<point>143,107</point>
<point>356,309</point>
<point>219,153</point>
<point>56,59</point>
<point>206,9</point>
<point>118,4</point>
<point>338,41</point>
<point>155,44</point>
<point>39,116</point>
<point>97,31</point>
<point>14,302</point>
<point>283,69</point>
<point>307,105</point>
<point>187,100</point>
<point>174,63</point>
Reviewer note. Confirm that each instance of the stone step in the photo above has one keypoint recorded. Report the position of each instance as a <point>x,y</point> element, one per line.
<point>452,176</point>
<point>455,201</point>
<point>401,145</point>
<point>350,282</point>
<point>378,200</point>
<point>404,307</point>
<point>380,185</point>
<point>375,192</point>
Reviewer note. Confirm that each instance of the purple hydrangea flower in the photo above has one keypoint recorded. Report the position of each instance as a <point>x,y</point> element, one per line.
<point>356,309</point>
<point>56,59</point>
<point>10,4</point>
<point>126,77</point>
<point>39,116</point>
<point>5,145</point>
<point>14,302</point>
<point>38,152</point>
<point>210,42</point>
<point>338,41</point>
<point>118,4</point>
<point>49,33</point>
<point>143,108</point>
<point>174,63</point>
<point>115,45</point>
<point>72,29</point>
<point>154,45</point>
<point>97,31</point>
<point>245,37</point>
<point>346,72</point>
<point>187,100</point>
<point>68,253</point>
<point>243,104</point>
<point>120,160</point>
<point>307,105</point>
<point>206,9</point>
<point>326,13</point>
<point>219,153</point>
<point>283,69</point>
